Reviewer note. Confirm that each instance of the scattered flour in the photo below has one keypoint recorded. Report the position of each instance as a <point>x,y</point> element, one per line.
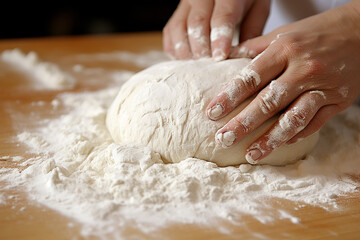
<point>242,51</point>
<point>344,91</point>
<point>321,93</point>
<point>48,74</point>
<point>81,173</point>
<point>139,59</point>
<point>119,77</point>
<point>2,198</point>
<point>222,31</point>
<point>4,158</point>
<point>11,158</point>
<point>250,76</point>
<point>198,34</point>
<point>78,68</point>
<point>179,45</point>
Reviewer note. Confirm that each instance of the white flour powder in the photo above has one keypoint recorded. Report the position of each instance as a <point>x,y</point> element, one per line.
<point>2,198</point>
<point>81,173</point>
<point>141,60</point>
<point>48,74</point>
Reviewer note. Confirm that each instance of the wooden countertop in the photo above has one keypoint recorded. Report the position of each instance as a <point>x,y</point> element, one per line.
<point>23,220</point>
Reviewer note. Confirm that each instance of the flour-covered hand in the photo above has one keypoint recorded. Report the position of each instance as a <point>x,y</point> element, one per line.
<point>204,28</point>
<point>307,72</point>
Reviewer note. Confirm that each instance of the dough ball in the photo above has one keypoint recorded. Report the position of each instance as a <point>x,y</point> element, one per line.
<point>164,107</point>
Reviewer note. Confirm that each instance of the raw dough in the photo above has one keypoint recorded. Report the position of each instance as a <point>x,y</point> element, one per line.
<point>163,107</point>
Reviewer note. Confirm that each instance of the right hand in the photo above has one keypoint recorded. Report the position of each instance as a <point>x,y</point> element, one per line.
<point>205,28</point>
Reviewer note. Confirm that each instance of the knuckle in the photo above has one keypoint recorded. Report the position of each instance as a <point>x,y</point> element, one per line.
<point>175,24</point>
<point>271,99</point>
<point>267,105</point>
<point>248,83</point>
<point>296,120</point>
<point>314,67</point>
<point>248,80</point>
<point>241,124</point>
<point>225,16</point>
<point>291,44</point>
<point>197,20</point>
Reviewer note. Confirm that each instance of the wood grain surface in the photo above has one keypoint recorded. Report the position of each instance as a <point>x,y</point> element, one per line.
<point>22,219</point>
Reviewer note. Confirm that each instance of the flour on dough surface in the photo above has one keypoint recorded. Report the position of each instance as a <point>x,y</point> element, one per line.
<point>80,172</point>
<point>164,108</point>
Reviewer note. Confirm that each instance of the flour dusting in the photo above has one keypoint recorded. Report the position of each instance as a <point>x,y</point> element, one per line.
<point>2,198</point>
<point>198,34</point>
<point>139,59</point>
<point>79,171</point>
<point>271,99</point>
<point>48,74</point>
<point>221,31</point>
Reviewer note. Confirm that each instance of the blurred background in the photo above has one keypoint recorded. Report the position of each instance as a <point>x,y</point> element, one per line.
<point>57,18</point>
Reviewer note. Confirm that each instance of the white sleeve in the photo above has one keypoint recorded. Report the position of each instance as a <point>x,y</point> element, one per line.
<point>286,11</point>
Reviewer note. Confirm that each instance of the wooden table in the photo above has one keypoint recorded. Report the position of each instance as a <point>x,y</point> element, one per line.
<point>23,220</point>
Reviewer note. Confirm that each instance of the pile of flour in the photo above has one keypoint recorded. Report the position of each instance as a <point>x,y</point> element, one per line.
<point>81,173</point>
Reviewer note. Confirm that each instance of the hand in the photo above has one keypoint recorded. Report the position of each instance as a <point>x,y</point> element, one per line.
<point>316,66</point>
<point>204,28</point>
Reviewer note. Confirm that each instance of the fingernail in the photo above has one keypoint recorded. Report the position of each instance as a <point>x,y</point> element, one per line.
<point>225,139</point>
<point>218,55</point>
<point>253,155</point>
<point>215,111</point>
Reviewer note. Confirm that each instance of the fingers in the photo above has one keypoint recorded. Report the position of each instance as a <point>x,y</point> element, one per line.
<point>321,117</point>
<point>203,28</point>
<point>176,40</point>
<point>199,28</point>
<point>255,19</point>
<point>226,14</point>
<point>252,78</point>
<point>293,121</point>
<point>268,102</point>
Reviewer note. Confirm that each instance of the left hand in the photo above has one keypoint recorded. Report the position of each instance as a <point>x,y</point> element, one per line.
<point>204,28</point>
<point>316,66</point>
